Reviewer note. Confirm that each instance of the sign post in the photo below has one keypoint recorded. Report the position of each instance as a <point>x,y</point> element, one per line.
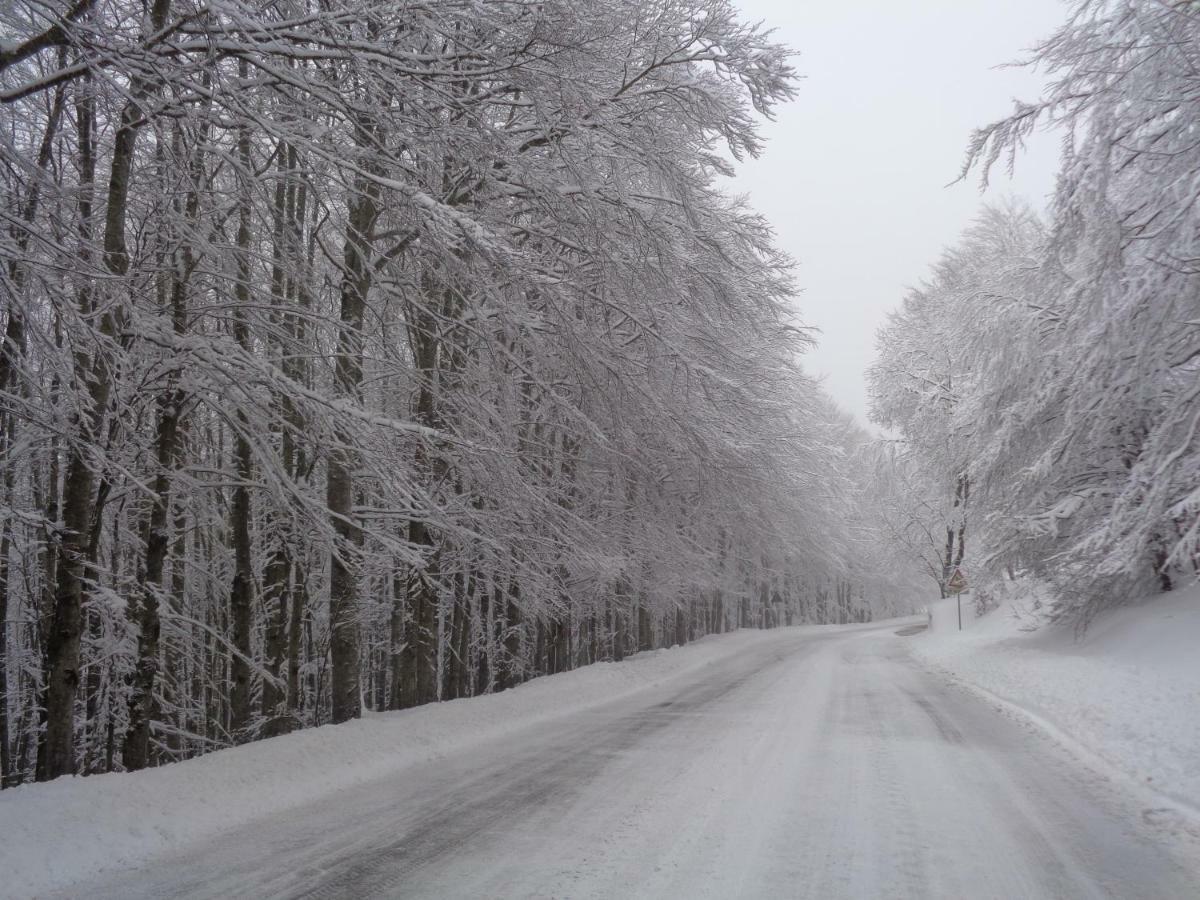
<point>956,585</point>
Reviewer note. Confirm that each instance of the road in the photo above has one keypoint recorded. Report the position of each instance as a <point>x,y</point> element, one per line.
<point>832,766</point>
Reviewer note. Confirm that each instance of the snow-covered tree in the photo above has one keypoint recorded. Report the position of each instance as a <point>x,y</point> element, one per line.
<point>381,352</point>
<point>1115,409</point>
<point>943,381</point>
<point>1055,368</point>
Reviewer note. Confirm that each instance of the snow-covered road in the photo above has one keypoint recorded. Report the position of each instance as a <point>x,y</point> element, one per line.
<point>827,765</point>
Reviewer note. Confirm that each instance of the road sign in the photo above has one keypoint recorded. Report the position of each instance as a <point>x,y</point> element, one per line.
<point>958,582</point>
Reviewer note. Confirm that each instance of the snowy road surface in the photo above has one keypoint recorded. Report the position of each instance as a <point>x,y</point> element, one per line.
<point>828,766</point>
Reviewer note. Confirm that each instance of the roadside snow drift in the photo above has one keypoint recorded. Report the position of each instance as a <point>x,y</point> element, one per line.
<point>1125,695</point>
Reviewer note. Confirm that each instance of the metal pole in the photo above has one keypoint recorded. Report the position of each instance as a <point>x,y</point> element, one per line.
<point>958,598</point>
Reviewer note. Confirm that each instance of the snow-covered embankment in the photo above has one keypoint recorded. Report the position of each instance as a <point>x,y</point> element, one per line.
<point>1124,695</point>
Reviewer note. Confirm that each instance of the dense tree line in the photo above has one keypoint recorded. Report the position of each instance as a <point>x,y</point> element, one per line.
<point>1046,378</point>
<point>381,351</point>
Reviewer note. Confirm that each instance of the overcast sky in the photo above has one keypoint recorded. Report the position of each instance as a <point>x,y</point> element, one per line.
<point>854,174</point>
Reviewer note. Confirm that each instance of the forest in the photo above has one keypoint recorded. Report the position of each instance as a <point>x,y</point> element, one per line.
<point>361,354</point>
<point>1044,381</point>
<point>365,354</point>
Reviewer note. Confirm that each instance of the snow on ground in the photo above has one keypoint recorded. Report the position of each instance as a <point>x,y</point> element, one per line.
<point>73,828</point>
<point>1124,695</point>
<point>816,763</point>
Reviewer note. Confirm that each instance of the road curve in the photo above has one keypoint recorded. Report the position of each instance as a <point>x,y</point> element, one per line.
<point>831,766</point>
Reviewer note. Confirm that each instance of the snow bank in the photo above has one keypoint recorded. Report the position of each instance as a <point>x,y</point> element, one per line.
<point>1125,695</point>
<point>57,833</point>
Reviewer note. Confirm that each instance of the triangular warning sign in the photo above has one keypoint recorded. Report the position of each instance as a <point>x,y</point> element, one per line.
<point>958,582</point>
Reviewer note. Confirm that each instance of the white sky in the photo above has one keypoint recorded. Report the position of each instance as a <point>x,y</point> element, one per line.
<point>853,177</point>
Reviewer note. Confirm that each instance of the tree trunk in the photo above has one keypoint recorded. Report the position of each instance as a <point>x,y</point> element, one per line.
<point>62,656</point>
<point>276,583</point>
<point>241,592</point>
<point>487,631</point>
<point>645,639</point>
<point>295,426</point>
<point>288,219</point>
<point>135,753</point>
<point>136,749</point>
<point>339,488</point>
<point>420,637</point>
<point>513,669</point>
<point>299,594</point>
